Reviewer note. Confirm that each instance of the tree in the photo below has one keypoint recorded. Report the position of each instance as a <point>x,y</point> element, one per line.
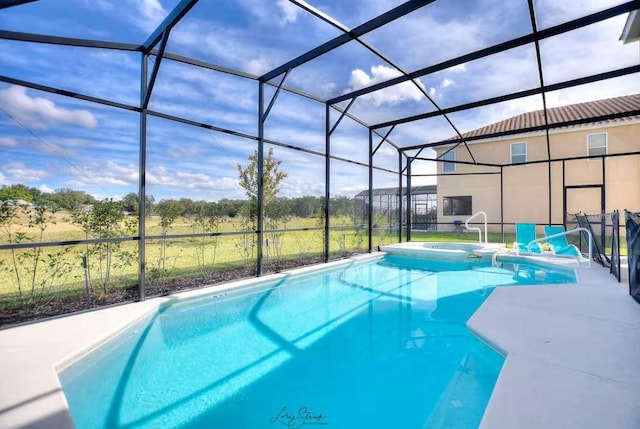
<point>169,211</point>
<point>230,208</point>
<point>272,177</point>
<point>16,192</point>
<point>131,201</point>
<point>307,206</point>
<point>187,207</point>
<point>70,199</point>
<point>205,220</point>
<point>106,220</point>
<point>342,206</point>
<point>34,269</point>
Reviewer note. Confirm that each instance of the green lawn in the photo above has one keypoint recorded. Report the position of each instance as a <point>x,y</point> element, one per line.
<point>460,236</point>
<point>59,271</point>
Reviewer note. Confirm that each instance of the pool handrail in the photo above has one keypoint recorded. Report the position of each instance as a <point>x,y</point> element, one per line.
<point>473,228</point>
<point>560,234</point>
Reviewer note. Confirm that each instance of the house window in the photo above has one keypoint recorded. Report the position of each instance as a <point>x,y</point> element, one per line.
<point>518,153</point>
<point>456,206</point>
<point>597,144</point>
<point>448,167</point>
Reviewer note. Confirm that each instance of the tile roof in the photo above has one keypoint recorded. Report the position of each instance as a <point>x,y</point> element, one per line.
<point>571,112</point>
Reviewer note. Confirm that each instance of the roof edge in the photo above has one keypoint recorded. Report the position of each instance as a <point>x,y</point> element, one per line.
<point>560,130</point>
<point>631,30</point>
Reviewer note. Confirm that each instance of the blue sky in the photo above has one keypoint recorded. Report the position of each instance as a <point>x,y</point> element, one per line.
<point>50,141</point>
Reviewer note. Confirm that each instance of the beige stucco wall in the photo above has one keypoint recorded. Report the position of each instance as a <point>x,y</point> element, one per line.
<point>482,188</point>
<point>526,190</point>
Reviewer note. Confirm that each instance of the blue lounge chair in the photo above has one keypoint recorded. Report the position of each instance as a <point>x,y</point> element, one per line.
<point>559,245</point>
<point>526,233</point>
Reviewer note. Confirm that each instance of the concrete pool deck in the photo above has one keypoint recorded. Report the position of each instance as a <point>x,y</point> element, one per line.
<point>572,352</point>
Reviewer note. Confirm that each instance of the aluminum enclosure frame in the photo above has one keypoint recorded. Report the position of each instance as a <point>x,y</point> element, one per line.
<point>161,35</point>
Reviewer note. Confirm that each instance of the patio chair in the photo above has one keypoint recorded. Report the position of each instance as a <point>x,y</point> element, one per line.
<point>559,245</point>
<point>526,233</point>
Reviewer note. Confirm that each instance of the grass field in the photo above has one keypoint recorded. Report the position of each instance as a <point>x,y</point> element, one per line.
<point>54,272</point>
<point>59,271</point>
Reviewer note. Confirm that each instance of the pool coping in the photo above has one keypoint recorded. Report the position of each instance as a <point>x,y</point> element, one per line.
<point>33,354</point>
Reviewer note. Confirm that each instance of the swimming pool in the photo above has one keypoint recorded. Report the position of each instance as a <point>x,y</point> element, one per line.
<point>377,345</point>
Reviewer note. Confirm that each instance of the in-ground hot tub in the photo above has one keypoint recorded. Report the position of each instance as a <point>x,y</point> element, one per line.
<point>447,251</point>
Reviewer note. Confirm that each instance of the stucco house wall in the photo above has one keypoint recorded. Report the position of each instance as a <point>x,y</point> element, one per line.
<point>525,187</point>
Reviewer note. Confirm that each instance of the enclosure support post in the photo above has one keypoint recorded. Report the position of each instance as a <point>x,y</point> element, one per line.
<point>550,202</point>
<point>564,195</point>
<point>409,205</point>
<point>399,197</point>
<point>259,173</point>
<point>502,203</point>
<point>327,183</point>
<point>142,170</point>
<point>370,207</point>
<point>535,33</point>
<point>603,204</point>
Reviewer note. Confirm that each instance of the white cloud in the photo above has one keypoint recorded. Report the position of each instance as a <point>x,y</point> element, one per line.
<point>100,5</point>
<point>460,68</point>
<point>45,189</point>
<point>552,12</point>
<point>183,152</point>
<point>17,172</point>
<point>406,91</point>
<point>150,14</point>
<point>161,176</point>
<point>267,15</point>
<point>225,45</point>
<point>446,83</point>
<point>53,149</point>
<point>289,11</point>
<point>624,85</point>
<point>103,173</point>
<point>151,9</point>
<point>7,142</point>
<point>292,188</point>
<point>41,113</point>
<point>589,50</point>
<point>422,39</point>
<point>258,66</point>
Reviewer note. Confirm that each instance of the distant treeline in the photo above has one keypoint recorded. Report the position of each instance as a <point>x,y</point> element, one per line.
<point>70,199</point>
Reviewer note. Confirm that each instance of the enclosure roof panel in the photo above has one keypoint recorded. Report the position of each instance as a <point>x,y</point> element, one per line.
<point>422,72</point>
<point>252,36</point>
<point>122,21</point>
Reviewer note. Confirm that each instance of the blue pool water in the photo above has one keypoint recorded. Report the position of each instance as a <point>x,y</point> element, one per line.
<point>376,345</point>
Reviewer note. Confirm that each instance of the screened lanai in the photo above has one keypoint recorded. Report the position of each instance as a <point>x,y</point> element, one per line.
<point>152,146</point>
<point>385,203</point>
